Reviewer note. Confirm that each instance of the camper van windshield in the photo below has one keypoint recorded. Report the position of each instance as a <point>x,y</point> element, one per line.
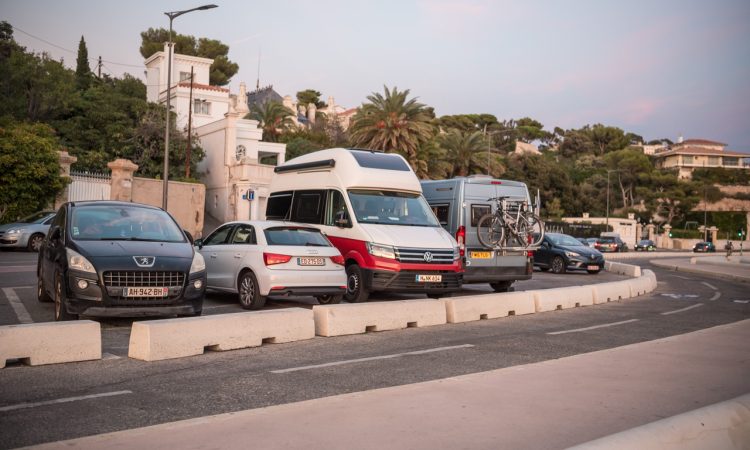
<point>392,208</point>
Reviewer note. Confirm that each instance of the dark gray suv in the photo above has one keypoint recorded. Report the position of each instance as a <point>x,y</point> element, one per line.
<point>107,258</point>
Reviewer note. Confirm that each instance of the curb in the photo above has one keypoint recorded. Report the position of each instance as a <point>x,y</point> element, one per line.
<point>690,269</point>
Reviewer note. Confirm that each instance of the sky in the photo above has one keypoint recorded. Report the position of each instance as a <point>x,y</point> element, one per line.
<point>660,69</point>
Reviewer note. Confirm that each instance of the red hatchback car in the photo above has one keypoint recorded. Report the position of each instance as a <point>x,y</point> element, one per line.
<point>610,244</point>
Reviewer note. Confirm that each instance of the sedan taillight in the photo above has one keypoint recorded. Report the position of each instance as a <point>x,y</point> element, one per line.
<point>274,258</point>
<point>338,259</point>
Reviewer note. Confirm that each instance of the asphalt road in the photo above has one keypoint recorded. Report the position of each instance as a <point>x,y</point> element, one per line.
<point>42,404</point>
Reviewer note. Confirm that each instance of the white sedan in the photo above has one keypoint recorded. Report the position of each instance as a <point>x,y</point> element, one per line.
<point>257,259</point>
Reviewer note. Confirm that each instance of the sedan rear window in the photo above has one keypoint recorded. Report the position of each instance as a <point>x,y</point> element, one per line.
<point>295,236</point>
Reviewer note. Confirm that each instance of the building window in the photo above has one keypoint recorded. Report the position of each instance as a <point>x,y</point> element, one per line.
<point>687,159</point>
<point>731,161</point>
<point>184,76</point>
<point>201,107</point>
<point>713,161</point>
<point>240,152</point>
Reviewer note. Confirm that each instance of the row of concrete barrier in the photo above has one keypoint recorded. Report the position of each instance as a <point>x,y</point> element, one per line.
<point>47,343</point>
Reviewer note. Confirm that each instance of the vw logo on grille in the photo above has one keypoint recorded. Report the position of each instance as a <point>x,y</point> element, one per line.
<point>144,261</point>
<point>428,256</point>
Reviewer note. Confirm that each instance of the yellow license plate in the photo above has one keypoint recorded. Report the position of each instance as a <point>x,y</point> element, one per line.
<point>481,255</point>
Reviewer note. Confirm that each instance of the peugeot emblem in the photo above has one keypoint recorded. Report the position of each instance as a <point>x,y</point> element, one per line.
<point>144,261</point>
<point>428,256</point>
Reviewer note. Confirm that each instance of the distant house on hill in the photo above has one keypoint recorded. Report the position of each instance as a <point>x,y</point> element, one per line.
<point>305,114</point>
<point>692,154</point>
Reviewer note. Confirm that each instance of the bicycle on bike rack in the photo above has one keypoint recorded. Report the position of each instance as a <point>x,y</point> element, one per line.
<point>511,223</point>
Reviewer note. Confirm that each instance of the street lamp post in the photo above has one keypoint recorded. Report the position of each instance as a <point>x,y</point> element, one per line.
<point>172,15</point>
<point>489,144</point>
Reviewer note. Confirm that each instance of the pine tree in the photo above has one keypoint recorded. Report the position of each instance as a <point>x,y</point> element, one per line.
<point>83,71</point>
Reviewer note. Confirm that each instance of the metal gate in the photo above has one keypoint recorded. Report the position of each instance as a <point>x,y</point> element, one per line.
<point>89,186</point>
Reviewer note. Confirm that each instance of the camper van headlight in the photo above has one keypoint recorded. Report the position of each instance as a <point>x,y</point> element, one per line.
<point>456,253</point>
<point>382,251</point>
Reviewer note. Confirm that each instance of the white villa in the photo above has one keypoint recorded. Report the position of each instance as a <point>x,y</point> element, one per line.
<point>236,181</point>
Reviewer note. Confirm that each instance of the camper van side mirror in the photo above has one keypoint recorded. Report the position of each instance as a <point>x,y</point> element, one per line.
<point>341,221</point>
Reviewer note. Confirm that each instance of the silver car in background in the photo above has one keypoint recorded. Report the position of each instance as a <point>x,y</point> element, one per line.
<point>257,259</point>
<point>28,232</point>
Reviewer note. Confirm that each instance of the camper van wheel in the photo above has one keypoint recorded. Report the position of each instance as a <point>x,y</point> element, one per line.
<point>502,286</point>
<point>355,289</point>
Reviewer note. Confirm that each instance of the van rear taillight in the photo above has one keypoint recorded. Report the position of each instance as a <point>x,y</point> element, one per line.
<point>270,259</point>
<point>461,239</point>
<point>496,182</point>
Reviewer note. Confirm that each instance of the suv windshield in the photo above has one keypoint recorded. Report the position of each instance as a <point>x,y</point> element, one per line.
<point>117,222</point>
<point>392,208</point>
<point>295,236</point>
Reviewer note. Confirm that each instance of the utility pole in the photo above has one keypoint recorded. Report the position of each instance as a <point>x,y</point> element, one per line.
<point>99,68</point>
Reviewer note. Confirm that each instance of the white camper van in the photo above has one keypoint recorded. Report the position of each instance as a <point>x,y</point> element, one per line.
<point>370,205</point>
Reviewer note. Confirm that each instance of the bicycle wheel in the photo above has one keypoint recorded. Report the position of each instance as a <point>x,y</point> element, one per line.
<point>531,230</point>
<point>490,231</point>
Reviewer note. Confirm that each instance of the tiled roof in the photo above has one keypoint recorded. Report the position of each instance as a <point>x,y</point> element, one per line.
<point>689,142</point>
<point>205,87</point>
<point>700,151</point>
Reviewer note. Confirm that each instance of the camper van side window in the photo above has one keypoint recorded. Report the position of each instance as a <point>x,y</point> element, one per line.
<point>308,206</point>
<point>441,212</point>
<point>335,207</point>
<point>477,211</point>
<point>278,206</point>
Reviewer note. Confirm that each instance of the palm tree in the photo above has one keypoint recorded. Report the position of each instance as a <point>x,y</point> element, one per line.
<point>392,123</point>
<point>274,118</point>
<point>464,151</point>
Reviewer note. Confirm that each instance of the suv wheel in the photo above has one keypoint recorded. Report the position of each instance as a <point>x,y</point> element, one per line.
<point>41,294</point>
<point>61,301</point>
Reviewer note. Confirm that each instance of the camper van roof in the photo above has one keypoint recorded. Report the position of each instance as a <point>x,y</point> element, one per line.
<point>480,179</point>
<point>351,168</point>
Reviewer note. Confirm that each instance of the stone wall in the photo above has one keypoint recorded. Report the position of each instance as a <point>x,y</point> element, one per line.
<point>185,203</point>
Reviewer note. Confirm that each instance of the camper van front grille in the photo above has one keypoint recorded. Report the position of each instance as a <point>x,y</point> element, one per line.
<point>424,255</point>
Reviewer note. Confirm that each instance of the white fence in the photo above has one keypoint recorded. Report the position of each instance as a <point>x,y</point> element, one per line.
<point>89,186</point>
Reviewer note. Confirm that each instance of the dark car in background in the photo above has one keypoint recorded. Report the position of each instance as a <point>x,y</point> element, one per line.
<point>119,259</point>
<point>704,247</point>
<point>645,245</point>
<point>610,244</point>
<point>561,252</point>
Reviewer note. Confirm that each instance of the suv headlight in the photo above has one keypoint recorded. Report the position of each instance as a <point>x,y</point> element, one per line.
<point>456,253</point>
<point>79,262</point>
<point>198,263</point>
<point>383,251</point>
<point>571,254</point>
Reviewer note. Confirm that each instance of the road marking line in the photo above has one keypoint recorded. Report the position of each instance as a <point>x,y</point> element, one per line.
<point>61,400</point>
<point>716,296</point>
<point>17,305</point>
<point>742,301</point>
<point>594,327</point>
<point>681,310</point>
<point>12,269</point>
<point>710,285</point>
<point>684,278</point>
<point>373,358</point>
<point>20,287</point>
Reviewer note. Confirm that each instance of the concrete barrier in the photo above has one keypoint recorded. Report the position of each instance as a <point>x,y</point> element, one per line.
<point>491,306</point>
<point>651,276</point>
<point>640,286</point>
<point>563,298</point>
<point>611,292</point>
<point>356,318</point>
<point>622,269</point>
<point>51,342</point>
<point>724,425</point>
<point>176,338</point>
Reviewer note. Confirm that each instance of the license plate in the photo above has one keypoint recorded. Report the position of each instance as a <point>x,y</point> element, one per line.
<point>429,278</point>
<point>311,261</point>
<point>592,268</point>
<point>481,255</point>
<point>147,292</point>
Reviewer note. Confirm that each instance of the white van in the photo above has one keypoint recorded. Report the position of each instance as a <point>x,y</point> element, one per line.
<point>370,205</point>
